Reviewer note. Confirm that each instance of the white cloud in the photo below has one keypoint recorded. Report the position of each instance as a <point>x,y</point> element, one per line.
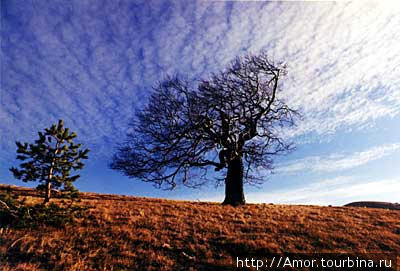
<point>88,65</point>
<point>337,191</point>
<point>338,161</point>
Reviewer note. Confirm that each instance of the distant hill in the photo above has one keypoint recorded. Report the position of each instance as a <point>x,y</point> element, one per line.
<point>131,233</point>
<point>375,204</point>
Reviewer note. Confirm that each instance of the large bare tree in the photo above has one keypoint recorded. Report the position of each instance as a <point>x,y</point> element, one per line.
<point>232,122</point>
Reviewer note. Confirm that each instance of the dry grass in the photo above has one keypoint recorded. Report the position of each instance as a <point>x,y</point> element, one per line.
<point>128,233</point>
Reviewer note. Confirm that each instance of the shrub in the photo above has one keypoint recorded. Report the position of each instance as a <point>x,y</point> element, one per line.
<point>17,214</point>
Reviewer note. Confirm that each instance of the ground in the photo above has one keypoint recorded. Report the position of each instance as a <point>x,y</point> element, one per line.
<point>131,233</point>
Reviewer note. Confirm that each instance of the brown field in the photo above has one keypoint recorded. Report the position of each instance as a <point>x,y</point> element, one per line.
<point>130,233</point>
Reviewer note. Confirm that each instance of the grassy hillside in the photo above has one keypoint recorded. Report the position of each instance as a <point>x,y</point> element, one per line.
<point>130,233</point>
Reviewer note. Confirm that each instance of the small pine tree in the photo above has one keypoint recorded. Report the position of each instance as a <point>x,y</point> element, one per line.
<point>50,159</point>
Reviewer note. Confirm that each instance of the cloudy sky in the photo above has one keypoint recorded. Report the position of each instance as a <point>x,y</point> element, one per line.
<point>93,62</point>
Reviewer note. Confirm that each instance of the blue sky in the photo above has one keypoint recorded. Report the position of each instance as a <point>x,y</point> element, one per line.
<point>92,63</point>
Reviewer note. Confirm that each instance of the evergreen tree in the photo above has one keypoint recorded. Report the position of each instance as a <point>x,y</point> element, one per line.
<point>50,159</point>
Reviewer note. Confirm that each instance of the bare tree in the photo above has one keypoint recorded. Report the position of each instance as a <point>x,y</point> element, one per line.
<point>232,122</point>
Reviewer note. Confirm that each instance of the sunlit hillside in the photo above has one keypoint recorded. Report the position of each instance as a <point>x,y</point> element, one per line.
<point>130,233</point>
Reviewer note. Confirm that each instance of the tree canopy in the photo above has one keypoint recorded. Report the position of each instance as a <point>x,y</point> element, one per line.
<point>50,159</point>
<point>232,120</point>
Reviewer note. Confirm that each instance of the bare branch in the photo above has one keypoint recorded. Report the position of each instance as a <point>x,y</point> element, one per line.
<point>186,127</point>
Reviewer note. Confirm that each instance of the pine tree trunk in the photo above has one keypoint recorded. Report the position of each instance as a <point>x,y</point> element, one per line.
<point>234,194</point>
<point>48,192</point>
<point>48,184</point>
<point>50,176</point>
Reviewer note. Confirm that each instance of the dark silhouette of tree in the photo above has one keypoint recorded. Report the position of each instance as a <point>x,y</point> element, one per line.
<point>50,159</point>
<point>232,121</point>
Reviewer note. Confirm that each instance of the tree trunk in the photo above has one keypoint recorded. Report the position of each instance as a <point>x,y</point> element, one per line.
<point>48,192</point>
<point>50,176</point>
<point>234,183</point>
